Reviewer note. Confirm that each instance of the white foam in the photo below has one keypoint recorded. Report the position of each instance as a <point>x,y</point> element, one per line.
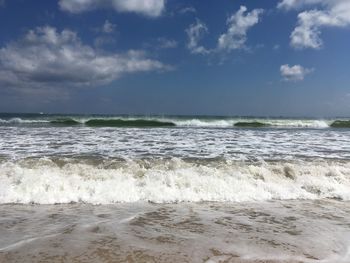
<point>299,123</point>
<point>19,120</point>
<point>203,123</point>
<point>240,144</point>
<point>44,182</point>
<point>226,123</point>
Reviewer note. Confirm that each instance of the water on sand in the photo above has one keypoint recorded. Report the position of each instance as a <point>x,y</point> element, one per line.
<point>173,189</point>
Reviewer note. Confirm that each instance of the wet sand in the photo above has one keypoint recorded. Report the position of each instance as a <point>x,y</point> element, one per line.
<point>278,231</point>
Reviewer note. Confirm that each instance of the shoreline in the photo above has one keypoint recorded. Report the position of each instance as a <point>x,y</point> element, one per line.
<point>274,231</point>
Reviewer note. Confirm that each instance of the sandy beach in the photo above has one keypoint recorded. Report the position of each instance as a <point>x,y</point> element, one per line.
<point>289,231</point>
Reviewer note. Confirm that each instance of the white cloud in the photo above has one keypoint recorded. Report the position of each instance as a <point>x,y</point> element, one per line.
<point>238,25</point>
<point>294,73</point>
<point>195,32</point>
<point>160,43</point>
<point>45,58</point>
<point>107,37</point>
<point>333,13</point>
<point>104,40</point>
<point>164,43</point>
<point>235,38</point>
<point>152,8</point>
<point>108,27</point>
<point>189,9</point>
<point>295,4</point>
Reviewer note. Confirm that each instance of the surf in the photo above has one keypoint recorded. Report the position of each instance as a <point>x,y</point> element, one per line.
<point>168,121</point>
<point>127,123</point>
<point>106,181</point>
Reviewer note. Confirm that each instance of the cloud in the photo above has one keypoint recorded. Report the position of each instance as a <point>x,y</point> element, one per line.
<point>151,8</point>
<point>333,13</point>
<point>2,3</point>
<point>235,37</point>
<point>164,43</point>
<point>106,34</point>
<point>105,40</point>
<point>238,25</point>
<point>108,27</point>
<point>294,73</point>
<point>47,59</point>
<point>195,33</point>
<point>189,9</point>
<point>295,4</point>
<point>161,43</point>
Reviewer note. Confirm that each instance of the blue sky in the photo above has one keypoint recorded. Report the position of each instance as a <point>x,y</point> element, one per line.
<point>228,57</point>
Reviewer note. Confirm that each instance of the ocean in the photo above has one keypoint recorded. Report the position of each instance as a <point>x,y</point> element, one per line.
<point>108,188</point>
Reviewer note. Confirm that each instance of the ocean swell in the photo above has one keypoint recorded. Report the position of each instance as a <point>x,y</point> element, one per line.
<point>154,121</point>
<point>174,121</point>
<point>340,124</point>
<point>47,181</point>
<point>127,123</point>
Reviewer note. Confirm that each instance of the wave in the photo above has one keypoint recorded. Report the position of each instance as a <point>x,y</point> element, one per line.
<point>179,122</point>
<point>22,121</point>
<point>340,124</point>
<point>203,123</point>
<point>65,121</point>
<point>127,123</point>
<point>48,181</point>
<point>253,124</point>
<point>102,122</point>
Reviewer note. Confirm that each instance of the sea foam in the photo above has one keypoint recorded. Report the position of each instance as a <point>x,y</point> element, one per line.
<point>45,181</point>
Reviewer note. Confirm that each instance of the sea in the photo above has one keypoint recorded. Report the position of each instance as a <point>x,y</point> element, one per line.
<point>119,188</point>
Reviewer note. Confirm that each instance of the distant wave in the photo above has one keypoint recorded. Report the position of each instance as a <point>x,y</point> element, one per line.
<point>250,123</point>
<point>127,123</point>
<point>253,124</point>
<point>179,122</point>
<point>22,121</point>
<point>65,121</point>
<point>340,124</point>
<point>46,181</point>
<point>93,122</point>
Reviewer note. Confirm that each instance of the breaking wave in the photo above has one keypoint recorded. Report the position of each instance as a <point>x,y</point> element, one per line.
<point>22,121</point>
<point>340,124</point>
<point>50,181</point>
<point>127,123</point>
<point>179,122</point>
<point>253,124</point>
<point>65,121</point>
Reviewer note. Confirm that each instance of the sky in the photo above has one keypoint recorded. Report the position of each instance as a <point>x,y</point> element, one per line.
<point>176,57</point>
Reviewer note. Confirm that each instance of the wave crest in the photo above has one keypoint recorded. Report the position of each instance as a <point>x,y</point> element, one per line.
<point>46,181</point>
<point>173,121</point>
<point>127,123</point>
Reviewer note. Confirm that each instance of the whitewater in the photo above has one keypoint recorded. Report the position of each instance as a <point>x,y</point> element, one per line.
<point>104,188</point>
<point>51,159</point>
<point>45,181</point>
